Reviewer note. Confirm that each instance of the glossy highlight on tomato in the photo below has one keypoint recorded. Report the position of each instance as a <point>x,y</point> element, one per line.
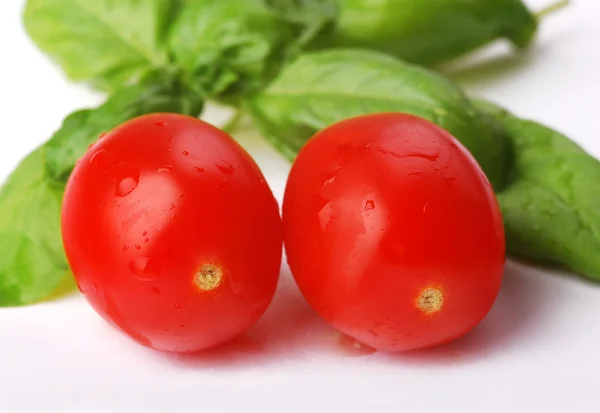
<point>172,233</point>
<point>392,232</point>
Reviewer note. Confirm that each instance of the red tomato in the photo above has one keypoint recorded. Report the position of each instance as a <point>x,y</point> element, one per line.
<point>392,232</point>
<point>172,233</point>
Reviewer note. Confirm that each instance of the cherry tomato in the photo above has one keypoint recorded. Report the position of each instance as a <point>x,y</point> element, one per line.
<point>172,233</point>
<point>392,232</point>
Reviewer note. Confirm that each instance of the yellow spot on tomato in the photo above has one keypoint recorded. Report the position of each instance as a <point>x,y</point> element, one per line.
<point>208,277</point>
<point>431,300</point>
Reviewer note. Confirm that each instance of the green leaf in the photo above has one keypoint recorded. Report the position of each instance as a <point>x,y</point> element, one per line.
<point>82,128</point>
<point>32,260</point>
<point>551,207</point>
<point>432,31</point>
<point>109,43</point>
<point>322,88</point>
<point>309,17</point>
<point>229,47</point>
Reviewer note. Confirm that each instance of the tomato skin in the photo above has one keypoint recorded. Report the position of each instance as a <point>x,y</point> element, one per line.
<point>172,233</point>
<point>392,232</point>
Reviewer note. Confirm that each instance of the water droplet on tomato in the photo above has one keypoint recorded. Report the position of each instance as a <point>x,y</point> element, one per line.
<point>325,215</point>
<point>156,291</point>
<point>137,247</point>
<point>224,167</point>
<point>178,306</point>
<point>125,248</point>
<point>81,289</point>
<point>327,188</point>
<point>369,205</point>
<point>198,169</point>
<point>100,158</point>
<point>147,239</point>
<point>144,233</point>
<point>161,170</point>
<point>126,178</point>
<point>102,135</point>
<point>185,153</point>
<point>328,182</point>
<point>144,268</point>
<point>429,157</point>
<point>126,186</point>
<point>103,300</point>
<point>91,145</point>
<point>161,123</point>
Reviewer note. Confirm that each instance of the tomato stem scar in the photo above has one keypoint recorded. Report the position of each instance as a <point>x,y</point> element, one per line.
<point>430,301</point>
<point>208,277</point>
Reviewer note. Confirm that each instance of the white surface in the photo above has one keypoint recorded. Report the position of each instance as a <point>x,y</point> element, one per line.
<point>536,351</point>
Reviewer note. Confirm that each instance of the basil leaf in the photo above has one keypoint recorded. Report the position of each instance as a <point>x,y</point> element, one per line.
<point>83,127</point>
<point>551,207</point>
<point>109,43</point>
<point>228,47</point>
<point>322,88</point>
<point>309,17</point>
<point>32,260</point>
<point>432,31</point>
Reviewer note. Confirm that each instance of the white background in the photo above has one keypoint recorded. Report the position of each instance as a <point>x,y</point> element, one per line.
<point>538,350</point>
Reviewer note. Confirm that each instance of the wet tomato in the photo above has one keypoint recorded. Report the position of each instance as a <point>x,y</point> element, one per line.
<point>172,233</point>
<point>392,232</point>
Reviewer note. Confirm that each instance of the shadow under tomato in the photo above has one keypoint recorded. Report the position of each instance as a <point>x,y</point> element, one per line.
<point>520,312</point>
